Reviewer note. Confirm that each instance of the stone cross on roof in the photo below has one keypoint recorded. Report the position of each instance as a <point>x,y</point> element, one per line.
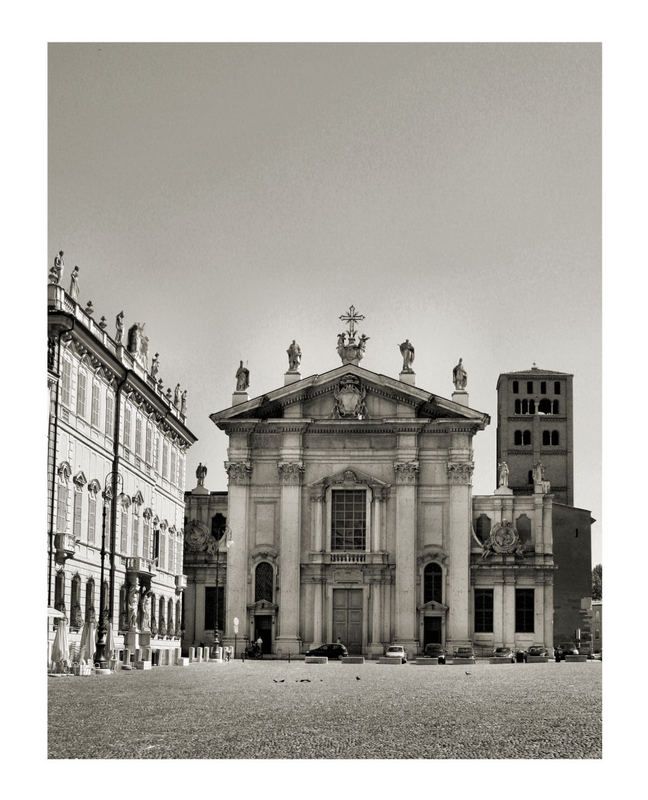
<point>351,318</point>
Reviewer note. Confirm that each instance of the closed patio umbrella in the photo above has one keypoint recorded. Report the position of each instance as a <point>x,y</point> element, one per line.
<point>110,641</point>
<point>61,646</point>
<point>88,635</point>
<point>54,613</point>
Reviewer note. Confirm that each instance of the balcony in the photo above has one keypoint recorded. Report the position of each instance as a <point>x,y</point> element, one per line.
<point>350,557</point>
<point>141,566</point>
<point>65,545</point>
<point>181,582</point>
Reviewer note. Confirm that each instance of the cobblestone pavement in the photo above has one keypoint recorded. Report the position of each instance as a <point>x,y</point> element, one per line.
<point>272,709</point>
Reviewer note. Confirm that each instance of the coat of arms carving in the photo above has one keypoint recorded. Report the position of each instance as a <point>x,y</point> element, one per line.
<point>350,399</point>
<point>504,538</point>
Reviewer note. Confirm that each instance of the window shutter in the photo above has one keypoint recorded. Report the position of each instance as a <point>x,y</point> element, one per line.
<point>109,414</point>
<point>127,425</point>
<point>123,541</point>
<point>92,518</point>
<point>61,509</point>
<point>76,517</point>
<point>81,394</point>
<point>94,409</point>
<point>65,383</point>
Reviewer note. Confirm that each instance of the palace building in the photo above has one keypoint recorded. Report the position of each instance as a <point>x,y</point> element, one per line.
<point>349,513</point>
<point>116,466</point>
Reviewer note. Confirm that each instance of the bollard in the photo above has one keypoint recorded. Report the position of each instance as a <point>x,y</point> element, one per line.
<point>289,656</point>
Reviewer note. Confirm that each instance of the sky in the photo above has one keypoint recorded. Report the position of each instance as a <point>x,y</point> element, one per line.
<point>235,197</point>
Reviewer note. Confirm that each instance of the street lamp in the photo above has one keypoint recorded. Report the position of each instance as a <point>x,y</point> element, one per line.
<point>228,544</point>
<point>112,481</point>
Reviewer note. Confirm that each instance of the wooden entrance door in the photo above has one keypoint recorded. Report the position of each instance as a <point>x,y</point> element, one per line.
<point>347,618</point>
<point>263,628</point>
<point>431,630</point>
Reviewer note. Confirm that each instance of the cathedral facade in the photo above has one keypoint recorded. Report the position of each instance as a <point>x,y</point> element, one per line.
<point>350,515</point>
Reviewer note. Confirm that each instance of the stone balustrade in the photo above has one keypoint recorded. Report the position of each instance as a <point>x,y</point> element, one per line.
<point>140,566</point>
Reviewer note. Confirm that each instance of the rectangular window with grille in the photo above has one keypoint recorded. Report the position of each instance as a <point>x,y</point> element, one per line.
<point>146,539</point>
<point>127,425</point>
<point>76,514</point>
<point>81,394</point>
<point>172,476</point>
<point>149,439</point>
<point>61,508</point>
<point>94,407</point>
<point>123,538</point>
<point>66,382</point>
<point>109,413</point>
<point>483,610</point>
<point>524,611</point>
<point>348,519</point>
<point>92,518</point>
<point>165,460</point>
<point>138,435</point>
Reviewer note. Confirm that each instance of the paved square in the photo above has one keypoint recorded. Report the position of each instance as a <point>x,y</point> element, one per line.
<point>272,709</point>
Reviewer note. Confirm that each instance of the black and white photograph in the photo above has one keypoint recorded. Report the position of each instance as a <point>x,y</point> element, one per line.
<point>324,399</point>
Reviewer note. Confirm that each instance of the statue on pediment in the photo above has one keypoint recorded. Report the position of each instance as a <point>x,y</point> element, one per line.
<point>503,474</point>
<point>74,284</point>
<point>183,402</point>
<point>56,271</point>
<point>242,378</point>
<point>155,365</point>
<point>176,396</point>
<point>407,351</point>
<point>460,376</point>
<point>201,474</point>
<point>294,356</point>
<point>119,327</point>
<point>138,343</point>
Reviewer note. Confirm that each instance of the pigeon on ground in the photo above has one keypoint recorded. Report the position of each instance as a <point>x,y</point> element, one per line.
<point>357,678</point>
<point>305,680</point>
<point>468,673</point>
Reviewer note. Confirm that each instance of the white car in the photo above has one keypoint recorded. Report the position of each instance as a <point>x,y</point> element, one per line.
<point>396,651</point>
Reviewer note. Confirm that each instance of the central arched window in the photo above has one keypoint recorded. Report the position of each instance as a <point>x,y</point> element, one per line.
<point>483,527</point>
<point>348,519</point>
<point>218,525</point>
<point>263,582</point>
<point>432,583</point>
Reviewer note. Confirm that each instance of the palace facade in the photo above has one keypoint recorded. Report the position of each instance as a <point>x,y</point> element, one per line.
<point>116,467</point>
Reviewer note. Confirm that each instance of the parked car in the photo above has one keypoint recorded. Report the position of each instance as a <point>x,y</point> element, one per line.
<point>504,652</point>
<point>464,652</point>
<point>436,651</point>
<point>396,651</point>
<point>535,650</point>
<point>333,650</point>
<point>565,649</point>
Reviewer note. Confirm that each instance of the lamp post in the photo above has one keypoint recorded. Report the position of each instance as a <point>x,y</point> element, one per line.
<point>112,481</point>
<point>228,544</point>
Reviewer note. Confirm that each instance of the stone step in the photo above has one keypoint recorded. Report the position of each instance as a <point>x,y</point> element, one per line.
<point>460,661</point>
<point>426,662</point>
<point>388,660</point>
<point>496,660</point>
<point>537,659</point>
<point>316,660</point>
<point>353,660</point>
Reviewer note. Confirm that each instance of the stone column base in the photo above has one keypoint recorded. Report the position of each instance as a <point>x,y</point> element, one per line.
<point>286,645</point>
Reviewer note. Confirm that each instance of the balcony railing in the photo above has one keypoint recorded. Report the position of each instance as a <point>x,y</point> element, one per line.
<point>65,545</point>
<point>348,558</point>
<point>142,566</point>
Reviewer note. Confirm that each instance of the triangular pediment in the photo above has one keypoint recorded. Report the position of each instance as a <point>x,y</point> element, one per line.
<point>320,396</point>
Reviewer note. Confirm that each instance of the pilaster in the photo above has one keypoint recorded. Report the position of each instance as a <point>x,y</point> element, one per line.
<point>290,477</point>
<point>509,610</point>
<point>460,518</point>
<point>406,473</point>
<point>239,473</point>
<point>548,611</point>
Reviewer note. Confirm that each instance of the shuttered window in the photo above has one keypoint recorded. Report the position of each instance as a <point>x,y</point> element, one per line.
<point>123,540</point>
<point>127,425</point>
<point>61,508</point>
<point>81,394</point>
<point>76,515</point>
<point>94,408</point>
<point>66,382</point>
<point>109,414</point>
<point>92,518</point>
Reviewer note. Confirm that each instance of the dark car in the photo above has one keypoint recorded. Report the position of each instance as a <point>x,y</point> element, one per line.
<point>504,652</point>
<point>436,651</point>
<point>464,652</point>
<point>565,649</point>
<point>535,650</point>
<point>333,650</point>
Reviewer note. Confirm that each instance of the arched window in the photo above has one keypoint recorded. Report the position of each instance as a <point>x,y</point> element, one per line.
<point>178,618</point>
<point>432,583</point>
<point>556,407</point>
<point>517,437</point>
<point>218,525</point>
<point>161,620</point>
<point>523,525</point>
<point>544,406</point>
<point>556,387</point>
<point>516,387</point>
<point>526,437</point>
<point>530,477</point>
<point>555,437</point>
<point>518,406</point>
<point>90,614</point>
<point>531,406</point>
<point>123,609</point>
<point>546,438</point>
<point>59,591</point>
<point>543,387</point>
<point>525,406</point>
<point>76,615</point>
<point>263,579</point>
<point>529,387</point>
<point>170,625</point>
<point>483,527</point>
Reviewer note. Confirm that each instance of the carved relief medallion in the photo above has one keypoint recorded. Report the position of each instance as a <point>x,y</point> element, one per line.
<point>503,538</point>
<point>350,398</point>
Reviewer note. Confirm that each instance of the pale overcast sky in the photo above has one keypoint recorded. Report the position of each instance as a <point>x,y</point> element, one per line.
<point>234,197</point>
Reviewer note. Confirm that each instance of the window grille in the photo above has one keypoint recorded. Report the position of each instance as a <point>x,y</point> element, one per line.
<point>263,580</point>
<point>483,610</point>
<point>524,611</point>
<point>432,583</point>
<point>348,519</point>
